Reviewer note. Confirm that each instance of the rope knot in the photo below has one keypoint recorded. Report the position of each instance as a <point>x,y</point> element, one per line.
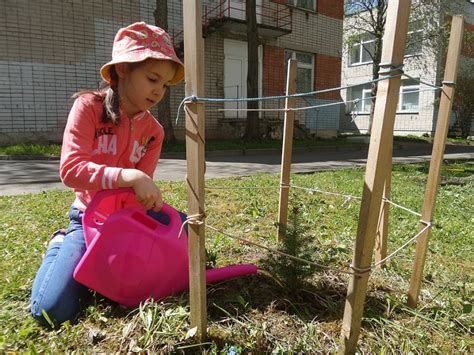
<point>360,271</point>
<point>197,219</point>
<point>388,70</point>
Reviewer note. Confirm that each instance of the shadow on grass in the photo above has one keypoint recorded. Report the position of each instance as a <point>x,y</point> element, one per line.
<point>322,301</point>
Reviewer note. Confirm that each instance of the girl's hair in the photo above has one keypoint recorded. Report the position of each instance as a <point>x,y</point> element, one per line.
<point>108,94</point>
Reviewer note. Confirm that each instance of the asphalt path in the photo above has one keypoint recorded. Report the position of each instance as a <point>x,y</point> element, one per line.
<point>33,176</point>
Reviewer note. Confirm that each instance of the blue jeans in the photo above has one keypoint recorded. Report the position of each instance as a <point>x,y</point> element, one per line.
<point>54,290</point>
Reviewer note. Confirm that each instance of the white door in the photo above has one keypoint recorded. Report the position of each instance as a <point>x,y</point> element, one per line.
<point>235,76</point>
<point>237,9</point>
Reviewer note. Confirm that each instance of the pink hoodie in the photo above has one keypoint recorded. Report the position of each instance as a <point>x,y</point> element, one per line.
<point>93,153</point>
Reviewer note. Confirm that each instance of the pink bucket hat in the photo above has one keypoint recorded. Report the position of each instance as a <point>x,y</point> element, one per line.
<point>141,41</point>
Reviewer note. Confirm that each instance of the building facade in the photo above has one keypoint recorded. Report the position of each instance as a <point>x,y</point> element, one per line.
<point>418,102</point>
<point>52,49</point>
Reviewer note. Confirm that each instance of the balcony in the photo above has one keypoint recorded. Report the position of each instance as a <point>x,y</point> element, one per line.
<point>273,20</point>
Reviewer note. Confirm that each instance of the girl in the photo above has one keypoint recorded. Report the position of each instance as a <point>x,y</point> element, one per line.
<point>111,140</point>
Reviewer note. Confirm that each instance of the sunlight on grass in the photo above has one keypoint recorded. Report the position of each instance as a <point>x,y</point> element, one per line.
<point>254,314</point>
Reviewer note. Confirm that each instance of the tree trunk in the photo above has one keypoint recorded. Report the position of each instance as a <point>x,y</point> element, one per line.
<point>164,107</point>
<point>375,76</point>
<point>379,28</point>
<point>252,127</point>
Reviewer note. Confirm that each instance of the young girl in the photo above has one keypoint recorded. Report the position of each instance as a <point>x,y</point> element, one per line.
<point>111,140</point>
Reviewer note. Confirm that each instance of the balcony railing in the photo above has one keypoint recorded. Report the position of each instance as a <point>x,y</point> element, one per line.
<point>268,14</point>
<point>273,18</point>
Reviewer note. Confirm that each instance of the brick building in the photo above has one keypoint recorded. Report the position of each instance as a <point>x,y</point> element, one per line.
<point>51,49</point>
<point>417,108</point>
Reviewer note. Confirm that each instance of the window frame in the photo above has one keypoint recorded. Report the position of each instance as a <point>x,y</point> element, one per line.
<point>411,89</point>
<point>300,65</point>
<point>360,44</point>
<point>294,3</point>
<point>363,108</point>
<point>366,101</point>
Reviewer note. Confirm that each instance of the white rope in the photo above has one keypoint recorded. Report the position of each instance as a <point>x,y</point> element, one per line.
<point>326,192</point>
<point>279,252</point>
<point>241,188</point>
<point>356,270</point>
<point>401,207</point>
<point>370,268</point>
<point>197,219</point>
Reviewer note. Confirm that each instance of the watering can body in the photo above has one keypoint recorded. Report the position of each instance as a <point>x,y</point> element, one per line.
<point>131,257</point>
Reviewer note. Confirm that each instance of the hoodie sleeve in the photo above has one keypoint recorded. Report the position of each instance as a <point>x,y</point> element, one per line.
<point>76,168</point>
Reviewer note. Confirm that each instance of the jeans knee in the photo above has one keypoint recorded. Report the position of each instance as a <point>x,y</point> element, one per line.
<point>51,315</point>
<point>37,313</point>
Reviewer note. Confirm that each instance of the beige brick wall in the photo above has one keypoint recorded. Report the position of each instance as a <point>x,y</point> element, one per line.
<point>313,33</point>
<point>51,49</point>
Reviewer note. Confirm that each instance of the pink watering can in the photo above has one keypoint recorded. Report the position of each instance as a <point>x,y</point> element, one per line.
<point>131,257</point>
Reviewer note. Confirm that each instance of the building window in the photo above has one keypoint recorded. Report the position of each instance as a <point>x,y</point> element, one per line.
<point>305,71</point>
<point>362,93</point>
<point>409,96</point>
<point>413,43</point>
<point>407,102</point>
<point>303,4</point>
<point>414,39</point>
<point>362,51</point>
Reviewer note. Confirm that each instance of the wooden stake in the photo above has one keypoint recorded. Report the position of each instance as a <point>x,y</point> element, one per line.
<point>377,170</point>
<point>429,203</point>
<point>381,242</point>
<point>287,149</point>
<point>194,62</point>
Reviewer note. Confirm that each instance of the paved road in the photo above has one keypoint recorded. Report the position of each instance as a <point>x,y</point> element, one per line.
<point>32,176</point>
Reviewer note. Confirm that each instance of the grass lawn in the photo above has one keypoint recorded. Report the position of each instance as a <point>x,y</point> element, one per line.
<point>260,313</point>
<point>180,146</point>
<point>219,145</point>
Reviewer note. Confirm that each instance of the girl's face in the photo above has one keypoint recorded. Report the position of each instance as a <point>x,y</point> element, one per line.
<point>143,85</point>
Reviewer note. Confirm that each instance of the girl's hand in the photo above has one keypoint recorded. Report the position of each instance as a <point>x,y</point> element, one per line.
<point>146,191</point>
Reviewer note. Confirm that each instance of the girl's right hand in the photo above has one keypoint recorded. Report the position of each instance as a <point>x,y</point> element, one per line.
<point>146,191</point>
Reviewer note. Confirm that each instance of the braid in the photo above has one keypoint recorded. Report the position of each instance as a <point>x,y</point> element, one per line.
<point>112,100</point>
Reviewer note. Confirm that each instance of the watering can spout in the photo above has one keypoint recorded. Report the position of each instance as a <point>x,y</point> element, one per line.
<point>228,272</point>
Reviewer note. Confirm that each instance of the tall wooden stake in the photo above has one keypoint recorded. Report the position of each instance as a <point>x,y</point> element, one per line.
<point>429,203</point>
<point>194,62</point>
<point>287,149</point>
<point>376,172</point>
<point>381,242</point>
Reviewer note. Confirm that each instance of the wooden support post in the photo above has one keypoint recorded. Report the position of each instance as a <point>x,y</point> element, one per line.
<point>376,171</point>
<point>429,203</point>
<point>194,62</point>
<point>381,242</point>
<point>287,149</point>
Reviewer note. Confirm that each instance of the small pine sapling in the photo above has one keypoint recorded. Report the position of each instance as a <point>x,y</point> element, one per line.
<point>292,274</point>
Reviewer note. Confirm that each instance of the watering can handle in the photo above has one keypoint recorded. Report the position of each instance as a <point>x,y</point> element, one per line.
<point>100,195</point>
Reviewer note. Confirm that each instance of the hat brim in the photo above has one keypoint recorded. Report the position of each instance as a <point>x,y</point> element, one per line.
<point>178,76</point>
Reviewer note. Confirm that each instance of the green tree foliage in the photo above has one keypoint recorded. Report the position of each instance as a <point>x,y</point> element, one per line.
<point>427,32</point>
<point>463,105</point>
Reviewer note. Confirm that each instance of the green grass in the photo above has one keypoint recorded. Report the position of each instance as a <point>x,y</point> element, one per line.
<point>180,146</point>
<point>219,145</point>
<point>31,149</point>
<point>254,314</point>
